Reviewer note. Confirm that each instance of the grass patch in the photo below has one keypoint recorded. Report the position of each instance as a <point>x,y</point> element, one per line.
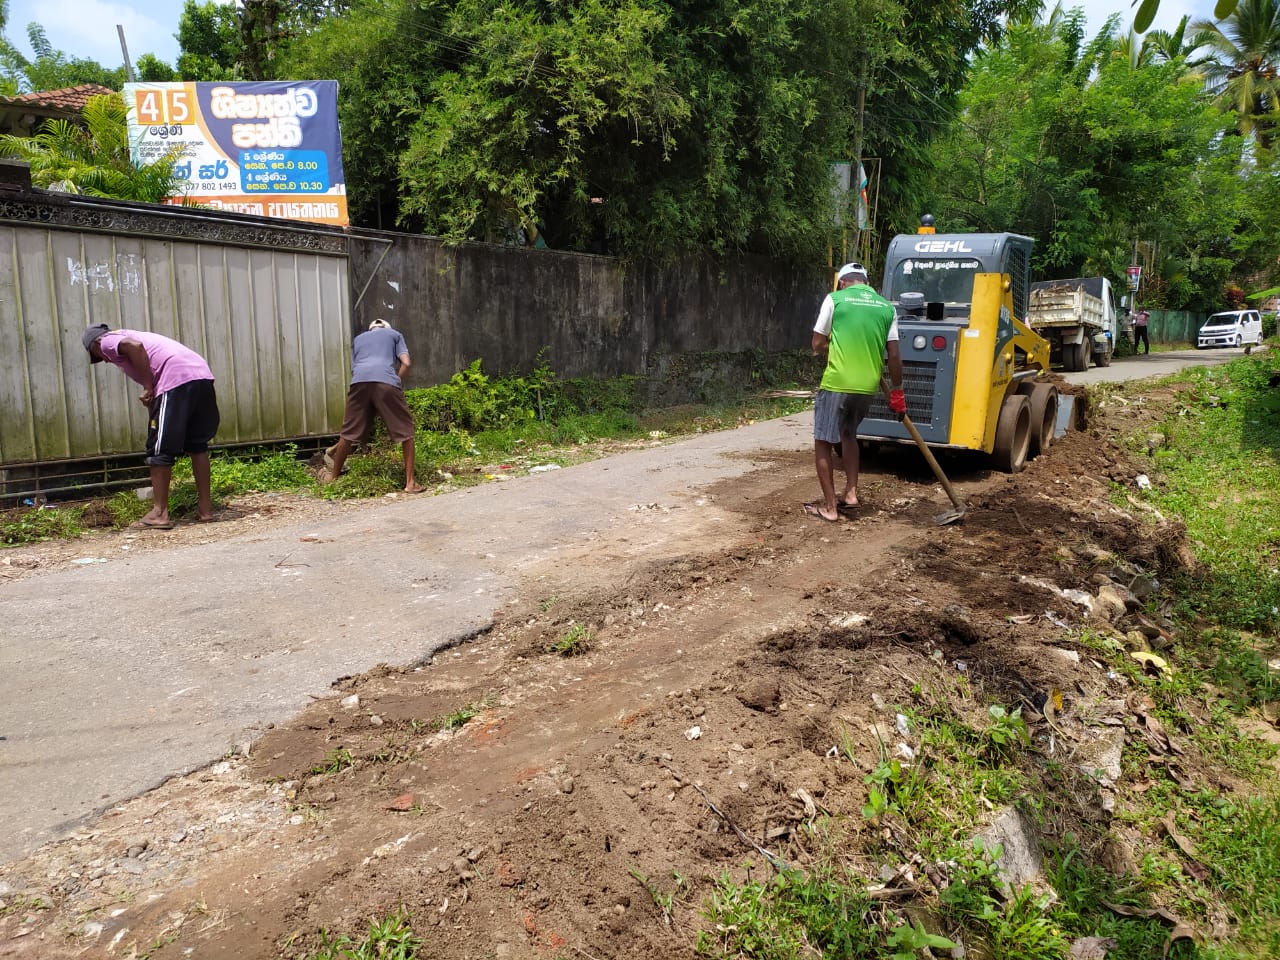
<point>1218,461</point>
<point>337,761</point>
<point>573,642</point>
<point>34,524</point>
<point>463,715</point>
<point>391,938</point>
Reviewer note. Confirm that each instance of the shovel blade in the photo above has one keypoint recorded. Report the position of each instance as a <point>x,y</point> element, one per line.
<point>950,516</point>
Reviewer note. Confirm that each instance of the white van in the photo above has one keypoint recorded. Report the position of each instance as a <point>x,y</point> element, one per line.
<point>1231,328</point>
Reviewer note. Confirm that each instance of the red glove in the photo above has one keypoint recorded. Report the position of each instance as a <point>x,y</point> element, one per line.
<point>898,402</point>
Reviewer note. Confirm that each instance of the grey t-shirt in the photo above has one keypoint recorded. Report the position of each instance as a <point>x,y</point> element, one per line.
<point>375,356</point>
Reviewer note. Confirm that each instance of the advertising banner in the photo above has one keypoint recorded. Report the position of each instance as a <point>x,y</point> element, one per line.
<point>270,148</point>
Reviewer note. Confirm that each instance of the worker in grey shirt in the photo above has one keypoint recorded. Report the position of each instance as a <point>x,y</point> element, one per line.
<point>379,359</point>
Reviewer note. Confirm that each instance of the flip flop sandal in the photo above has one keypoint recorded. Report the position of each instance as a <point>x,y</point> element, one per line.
<point>812,510</point>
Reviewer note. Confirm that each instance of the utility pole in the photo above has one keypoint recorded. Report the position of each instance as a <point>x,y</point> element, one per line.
<point>124,49</point>
<point>856,177</point>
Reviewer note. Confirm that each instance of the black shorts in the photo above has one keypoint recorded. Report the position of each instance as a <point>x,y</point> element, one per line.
<point>183,420</point>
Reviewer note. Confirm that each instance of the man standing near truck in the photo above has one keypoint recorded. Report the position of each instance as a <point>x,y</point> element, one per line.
<point>856,326</point>
<point>1140,331</point>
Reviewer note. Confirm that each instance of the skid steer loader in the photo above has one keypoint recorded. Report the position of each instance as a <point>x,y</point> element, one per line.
<point>972,369</point>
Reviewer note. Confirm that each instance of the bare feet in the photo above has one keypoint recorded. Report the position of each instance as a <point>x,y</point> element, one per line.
<point>324,475</point>
<point>415,488</point>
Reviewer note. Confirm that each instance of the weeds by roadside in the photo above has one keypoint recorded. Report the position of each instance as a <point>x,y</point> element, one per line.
<point>573,642</point>
<point>1217,463</point>
<point>391,938</point>
<point>32,525</point>
<point>472,429</point>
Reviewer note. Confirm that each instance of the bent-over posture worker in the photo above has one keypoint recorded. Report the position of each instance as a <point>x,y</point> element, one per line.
<point>379,361</point>
<point>177,389</point>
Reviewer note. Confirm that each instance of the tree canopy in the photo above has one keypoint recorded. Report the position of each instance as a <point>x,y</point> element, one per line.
<point>652,129</point>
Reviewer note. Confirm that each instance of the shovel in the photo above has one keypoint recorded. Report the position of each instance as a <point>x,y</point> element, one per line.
<point>949,516</point>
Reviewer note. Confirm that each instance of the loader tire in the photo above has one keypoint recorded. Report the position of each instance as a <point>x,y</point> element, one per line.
<point>1044,415</point>
<point>1013,434</point>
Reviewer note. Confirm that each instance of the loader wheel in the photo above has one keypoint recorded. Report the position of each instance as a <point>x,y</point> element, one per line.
<point>1044,415</point>
<point>1013,434</point>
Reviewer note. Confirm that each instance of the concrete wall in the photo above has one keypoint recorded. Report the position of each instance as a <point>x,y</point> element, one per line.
<point>595,316</point>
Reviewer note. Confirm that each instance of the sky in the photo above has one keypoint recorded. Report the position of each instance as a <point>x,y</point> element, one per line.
<point>87,28</point>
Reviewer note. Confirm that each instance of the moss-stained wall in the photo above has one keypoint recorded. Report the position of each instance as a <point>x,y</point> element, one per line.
<point>593,316</point>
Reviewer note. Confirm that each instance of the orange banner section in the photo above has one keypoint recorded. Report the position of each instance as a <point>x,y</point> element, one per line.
<point>323,209</point>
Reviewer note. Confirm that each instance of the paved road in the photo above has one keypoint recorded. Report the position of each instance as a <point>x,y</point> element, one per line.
<point>1157,364</point>
<point>116,676</point>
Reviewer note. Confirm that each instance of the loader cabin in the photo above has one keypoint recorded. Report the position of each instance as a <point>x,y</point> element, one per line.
<point>942,266</point>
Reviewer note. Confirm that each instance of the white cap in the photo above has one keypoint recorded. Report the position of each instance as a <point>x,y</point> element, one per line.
<point>851,268</point>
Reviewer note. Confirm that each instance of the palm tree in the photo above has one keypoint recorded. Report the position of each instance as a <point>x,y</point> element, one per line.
<point>1243,67</point>
<point>1170,45</point>
<point>94,159</point>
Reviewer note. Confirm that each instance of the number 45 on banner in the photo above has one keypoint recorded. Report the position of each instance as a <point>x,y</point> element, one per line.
<point>162,106</point>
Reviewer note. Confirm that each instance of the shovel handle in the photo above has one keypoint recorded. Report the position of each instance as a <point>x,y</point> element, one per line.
<point>927,453</point>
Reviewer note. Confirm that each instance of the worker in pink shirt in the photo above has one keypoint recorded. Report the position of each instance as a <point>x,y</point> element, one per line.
<point>177,389</point>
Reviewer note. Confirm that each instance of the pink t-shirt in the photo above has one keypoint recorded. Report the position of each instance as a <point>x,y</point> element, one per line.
<point>172,364</point>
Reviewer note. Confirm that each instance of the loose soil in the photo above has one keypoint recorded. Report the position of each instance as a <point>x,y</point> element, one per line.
<point>705,718</point>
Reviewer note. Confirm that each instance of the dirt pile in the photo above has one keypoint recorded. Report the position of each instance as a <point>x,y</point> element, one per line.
<point>522,803</point>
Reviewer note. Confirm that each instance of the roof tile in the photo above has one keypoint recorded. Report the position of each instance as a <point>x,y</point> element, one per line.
<point>68,98</point>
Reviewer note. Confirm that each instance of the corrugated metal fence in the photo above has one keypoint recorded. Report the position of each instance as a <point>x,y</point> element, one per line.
<point>1174,326</point>
<point>268,306</point>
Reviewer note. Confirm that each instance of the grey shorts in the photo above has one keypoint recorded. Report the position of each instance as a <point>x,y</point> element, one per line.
<point>837,415</point>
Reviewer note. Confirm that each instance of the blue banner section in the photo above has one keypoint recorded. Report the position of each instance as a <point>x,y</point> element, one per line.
<point>284,171</point>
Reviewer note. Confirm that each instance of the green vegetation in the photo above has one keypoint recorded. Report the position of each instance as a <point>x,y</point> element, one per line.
<point>574,641</point>
<point>391,938</point>
<point>463,715</point>
<point>33,524</point>
<point>338,760</point>
<point>1217,459</point>
<point>93,157</point>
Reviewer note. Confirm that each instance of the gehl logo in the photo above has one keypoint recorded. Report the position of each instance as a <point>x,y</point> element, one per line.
<point>942,246</point>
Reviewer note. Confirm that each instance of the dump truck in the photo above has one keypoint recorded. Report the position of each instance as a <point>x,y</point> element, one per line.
<point>1077,317</point>
<point>973,370</point>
